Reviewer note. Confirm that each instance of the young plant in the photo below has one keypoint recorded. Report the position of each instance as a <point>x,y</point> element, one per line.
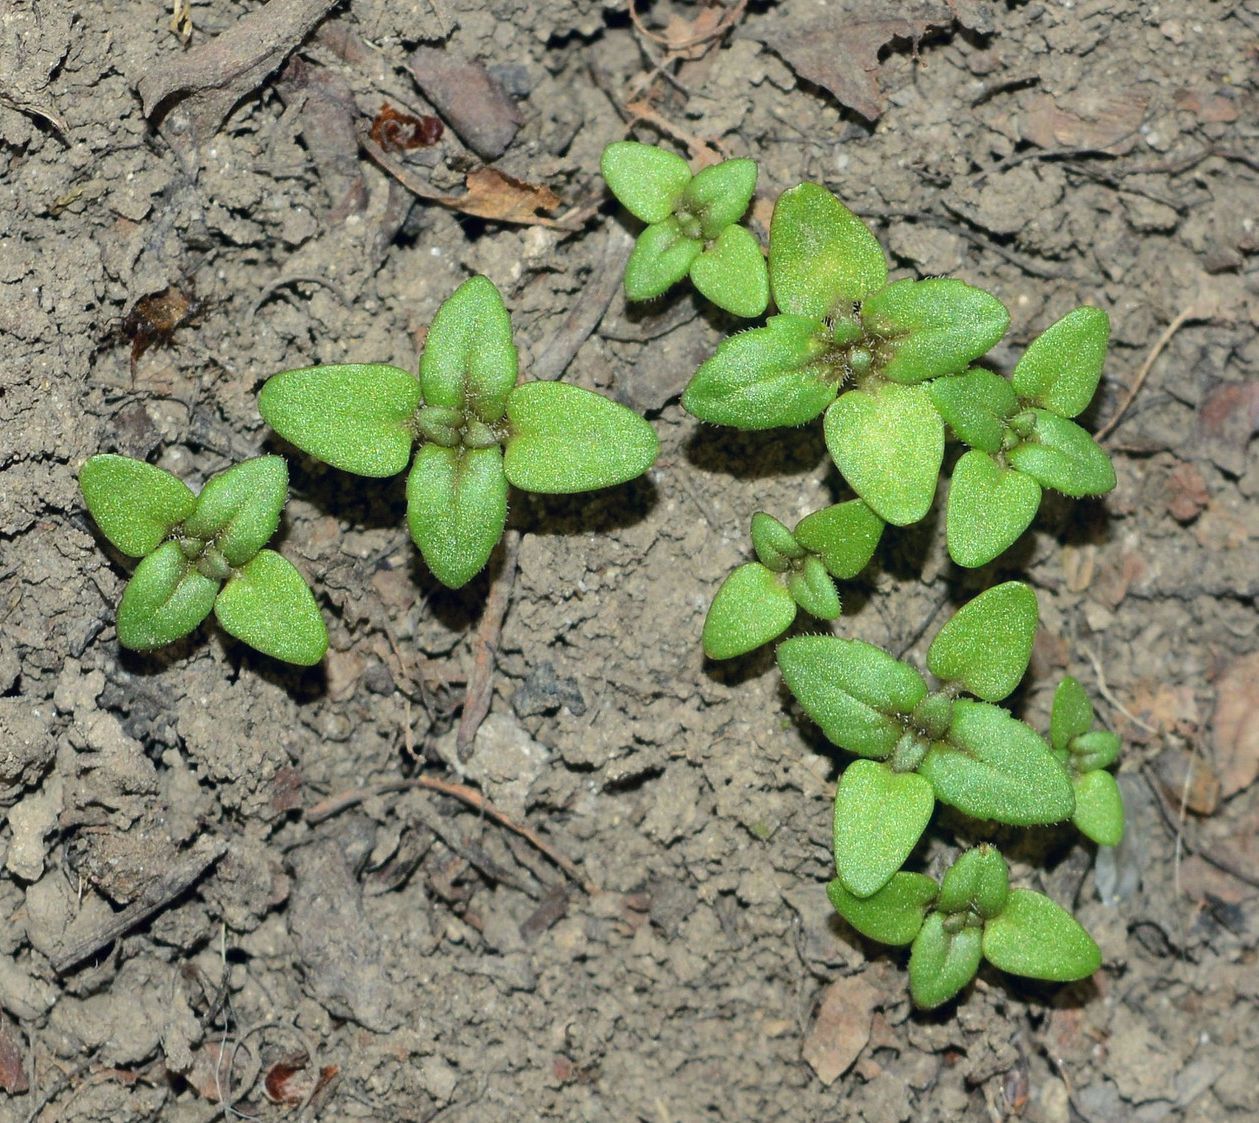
<point>758,601</point>
<point>1087,753</point>
<point>204,552</point>
<point>973,914</point>
<point>477,430</point>
<point>692,226</point>
<point>889,364</point>
<point>922,745</point>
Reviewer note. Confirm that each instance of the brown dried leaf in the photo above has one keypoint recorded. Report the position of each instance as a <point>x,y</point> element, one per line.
<point>12,1072</point>
<point>842,1027</point>
<point>1235,725</point>
<point>1106,122</point>
<point>1227,418</point>
<point>1186,778</point>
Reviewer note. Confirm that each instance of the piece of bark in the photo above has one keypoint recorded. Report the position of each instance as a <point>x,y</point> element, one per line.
<point>469,100</point>
<point>193,92</point>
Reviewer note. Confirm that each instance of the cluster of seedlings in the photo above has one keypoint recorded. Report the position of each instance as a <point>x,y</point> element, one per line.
<point>891,368</point>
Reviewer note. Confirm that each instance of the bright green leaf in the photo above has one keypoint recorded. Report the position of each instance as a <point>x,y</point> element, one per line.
<point>1061,368</point>
<point>268,605</point>
<point>852,689</point>
<point>566,439</point>
<point>992,766</point>
<point>813,590</point>
<point>1072,714</point>
<point>774,544</point>
<point>135,504</point>
<point>988,508</point>
<point>1096,749</point>
<point>889,443</point>
<point>986,645</point>
<point>941,963</point>
<point>732,273</point>
<point>764,378</point>
<point>165,599</point>
<point>934,327</point>
<point>1037,937</point>
<point>647,181</point>
<point>751,607</point>
<point>822,257</point>
<point>978,880</point>
<point>1099,808</point>
<point>879,817</point>
<point>456,509</point>
<point>240,508</point>
<point>356,417</point>
<point>469,360</point>
<point>1062,456</point>
<point>718,196</point>
<point>893,915</point>
<point>976,406</point>
<point>661,257</point>
<point>844,536</point>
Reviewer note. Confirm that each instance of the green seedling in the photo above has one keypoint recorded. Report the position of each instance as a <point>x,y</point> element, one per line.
<point>477,430</point>
<point>759,600</point>
<point>890,363</point>
<point>203,553</point>
<point>1087,753</point>
<point>971,915</point>
<point>692,226</point>
<point>921,745</point>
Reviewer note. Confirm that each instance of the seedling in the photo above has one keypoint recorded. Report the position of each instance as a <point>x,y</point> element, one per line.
<point>1087,753</point>
<point>890,364</point>
<point>759,600</point>
<point>972,914</point>
<point>477,430</point>
<point>692,226</point>
<point>204,552</point>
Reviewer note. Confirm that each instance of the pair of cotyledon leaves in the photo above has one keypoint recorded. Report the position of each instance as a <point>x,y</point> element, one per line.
<point>203,553</point>
<point>692,226</point>
<point>972,914</point>
<point>1087,753</point>
<point>922,746</point>
<point>758,601</point>
<point>478,430</point>
<point>889,364</point>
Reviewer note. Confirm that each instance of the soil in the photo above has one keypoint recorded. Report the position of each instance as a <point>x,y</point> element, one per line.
<point>222,901</point>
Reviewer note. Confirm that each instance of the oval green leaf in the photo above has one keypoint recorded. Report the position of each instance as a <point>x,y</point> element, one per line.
<point>646,180</point>
<point>566,439</point>
<point>1060,370</point>
<point>893,915</point>
<point>813,590</point>
<point>942,963</point>
<point>751,607</point>
<point>976,406</point>
<point>992,766</point>
<point>135,504</point>
<point>1062,456</point>
<point>240,508</point>
<point>765,378</point>
<point>718,195</point>
<point>732,273</point>
<point>844,536</point>
<point>888,443</point>
<point>356,417</point>
<point>1099,748</point>
<point>986,645</point>
<point>1072,714</point>
<point>165,599</point>
<point>932,328</point>
<point>469,360</point>
<point>989,507</point>
<point>456,509</point>
<point>977,880</point>
<point>1037,937</point>
<point>855,692</point>
<point>268,605</point>
<point>774,543</point>
<point>879,817</point>
<point>661,257</point>
<point>821,255</point>
<point>1099,808</point>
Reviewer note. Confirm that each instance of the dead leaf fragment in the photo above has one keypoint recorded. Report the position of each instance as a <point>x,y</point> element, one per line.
<point>1228,416</point>
<point>468,99</point>
<point>1235,726</point>
<point>1186,778</point>
<point>1105,122</point>
<point>12,1072</point>
<point>842,1027</point>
